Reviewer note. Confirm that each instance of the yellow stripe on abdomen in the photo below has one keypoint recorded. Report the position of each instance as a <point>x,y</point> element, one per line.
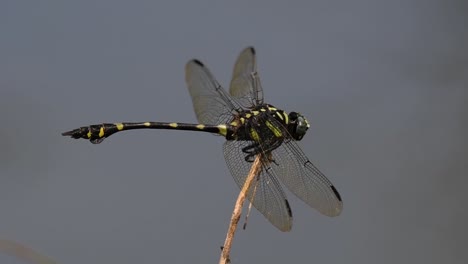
<point>222,129</point>
<point>101,132</point>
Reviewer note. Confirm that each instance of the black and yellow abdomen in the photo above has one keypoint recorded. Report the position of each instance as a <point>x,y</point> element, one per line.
<point>97,133</point>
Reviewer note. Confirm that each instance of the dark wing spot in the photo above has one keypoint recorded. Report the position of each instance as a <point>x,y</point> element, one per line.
<point>336,193</point>
<point>288,207</point>
<point>198,62</point>
<point>252,50</point>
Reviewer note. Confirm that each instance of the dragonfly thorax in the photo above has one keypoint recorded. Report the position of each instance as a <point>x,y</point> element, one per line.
<point>265,122</point>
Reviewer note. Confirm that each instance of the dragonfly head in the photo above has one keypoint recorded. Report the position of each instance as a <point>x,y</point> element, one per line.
<point>297,126</point>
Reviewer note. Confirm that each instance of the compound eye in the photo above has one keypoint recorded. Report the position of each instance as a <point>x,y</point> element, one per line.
<point>293,116</point>
<point>298,125</point>
<point>301,126</point>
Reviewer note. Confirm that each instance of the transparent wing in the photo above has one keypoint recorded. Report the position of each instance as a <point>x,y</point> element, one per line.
<point>245,84</point>
<point>211,103</point>
<point>305,180</point>
<point>266,193</point>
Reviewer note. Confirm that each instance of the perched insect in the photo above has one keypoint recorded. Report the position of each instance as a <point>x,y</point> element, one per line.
<point>251,127</point>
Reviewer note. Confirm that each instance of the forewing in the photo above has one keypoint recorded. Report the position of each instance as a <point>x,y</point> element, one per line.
<point>245,83</point>
<point>211,103</point>
<point>265,193</point>
<point>305,180</point>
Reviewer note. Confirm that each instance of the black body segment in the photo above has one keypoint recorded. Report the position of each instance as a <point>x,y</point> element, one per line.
<point>97,133</point>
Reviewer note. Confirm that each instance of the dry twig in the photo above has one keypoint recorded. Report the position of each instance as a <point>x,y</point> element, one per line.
<point>23,253</point>
<point>236,213</point>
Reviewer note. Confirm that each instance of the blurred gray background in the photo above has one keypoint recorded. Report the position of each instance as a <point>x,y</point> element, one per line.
<point>383,83</point>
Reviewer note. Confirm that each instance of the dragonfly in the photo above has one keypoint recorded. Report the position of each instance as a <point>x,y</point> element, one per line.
<point>251,127</point>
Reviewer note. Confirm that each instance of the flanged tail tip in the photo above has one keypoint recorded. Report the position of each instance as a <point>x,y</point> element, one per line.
<point>75,133</point>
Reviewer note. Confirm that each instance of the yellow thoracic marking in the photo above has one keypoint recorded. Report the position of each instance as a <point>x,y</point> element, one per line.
<point>89,134</point>
<point>147,124</point>
<point>174,125</point>
<point>279,115</point>
<point>233,123</point>
<point>101,132</point>
<point>286,117</point>
<point>255,113</point>
<point>242,120</point>
<point>248,115</point>
<point>263,109</point>
<point>274,129</point>
<point>254,135</point>
<point>272,108</point>
<point>222,129</point>
<point>119,126</point>
<point>200,126</point>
